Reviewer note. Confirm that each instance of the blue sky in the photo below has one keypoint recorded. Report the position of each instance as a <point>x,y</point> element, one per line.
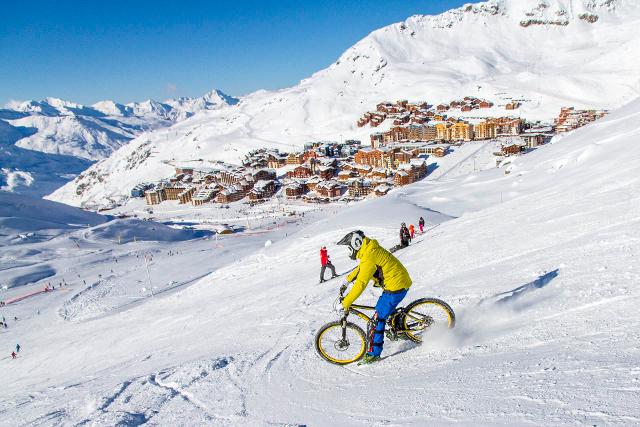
<point>135,50</point>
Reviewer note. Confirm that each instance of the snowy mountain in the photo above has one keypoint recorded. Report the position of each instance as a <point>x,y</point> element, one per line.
<point>540,265</point>
<point>546,54</point>
<point>52,135</point>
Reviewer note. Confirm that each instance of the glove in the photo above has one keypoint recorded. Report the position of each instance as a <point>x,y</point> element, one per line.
<point>343,288</point>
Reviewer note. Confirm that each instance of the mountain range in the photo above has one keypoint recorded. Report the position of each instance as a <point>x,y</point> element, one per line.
<point>45,143</point>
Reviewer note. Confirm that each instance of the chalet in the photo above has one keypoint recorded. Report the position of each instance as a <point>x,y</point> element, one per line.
<point>401,156</point>
<point>295,158</point>
<point>312,182</point>
<point>155,196</point>
<point>326,172</point>
<point>438,150</point>
<point>485,104</point>
<point>329,189</point>
<point>419,167</point>
<point>262,190</point>
<point>401,178</point>
<point>363,170</point>
<point>512,105</point>
<point>382,190</point>
<point>302,171</point>
<point>345,175</point>
<point>229,194</point>
<point>400,120</point>
<point>310,154</point>
<point>359,188</point>
<point>379,173</point>
<point>384,106</point>
<point>294,190</point>
<point>185,196</point>
<point>264,175</point>
<point>245,184</point>
<point>509,149</point>
<point>275,160</point>
<point>202,196</point>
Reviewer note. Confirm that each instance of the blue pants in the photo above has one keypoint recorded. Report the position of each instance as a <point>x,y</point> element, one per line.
<point>387,303</point>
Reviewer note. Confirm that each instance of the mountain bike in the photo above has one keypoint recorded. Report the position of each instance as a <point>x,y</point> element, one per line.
<point>343,342</point>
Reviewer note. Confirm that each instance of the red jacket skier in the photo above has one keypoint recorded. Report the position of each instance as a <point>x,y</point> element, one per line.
<point>324,261</point>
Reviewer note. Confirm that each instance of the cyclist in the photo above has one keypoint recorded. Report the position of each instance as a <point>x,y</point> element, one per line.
<point>379,265</point>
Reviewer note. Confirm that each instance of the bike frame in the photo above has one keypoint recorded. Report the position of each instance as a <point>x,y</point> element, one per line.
<point>356,309</point>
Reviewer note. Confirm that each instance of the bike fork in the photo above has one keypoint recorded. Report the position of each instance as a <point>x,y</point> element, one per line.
<point>344,329</point>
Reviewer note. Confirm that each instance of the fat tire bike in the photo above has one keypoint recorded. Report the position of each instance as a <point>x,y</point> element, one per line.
<point>342,342</point>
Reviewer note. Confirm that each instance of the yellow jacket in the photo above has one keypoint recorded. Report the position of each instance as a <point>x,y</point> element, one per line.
<point>380,265</point>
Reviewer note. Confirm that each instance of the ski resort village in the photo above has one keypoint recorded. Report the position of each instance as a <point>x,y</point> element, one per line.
<point>411,213</point>
<point>344,171</point>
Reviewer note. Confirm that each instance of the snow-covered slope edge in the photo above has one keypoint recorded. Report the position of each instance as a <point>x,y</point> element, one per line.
<point>543,284</point>
<point>546,54</point>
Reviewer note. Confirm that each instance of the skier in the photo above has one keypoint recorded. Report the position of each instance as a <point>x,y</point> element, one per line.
<point>412,231</point>
<point>404,235</point>
<point>325,262</point>
<point>421,225</point>
<point>379,265</point>
<point>13,355</point>
<point>17,348</point>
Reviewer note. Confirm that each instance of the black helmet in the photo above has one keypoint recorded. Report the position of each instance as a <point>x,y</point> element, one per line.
<point>403,225</point>
<point>353,241</point>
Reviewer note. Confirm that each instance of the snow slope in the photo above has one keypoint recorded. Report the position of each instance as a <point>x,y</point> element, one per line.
<point>46,143</point>
<point>489,50</point>
<point>543,280</point>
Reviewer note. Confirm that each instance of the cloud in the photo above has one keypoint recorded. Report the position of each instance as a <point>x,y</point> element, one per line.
<point>171,88</point>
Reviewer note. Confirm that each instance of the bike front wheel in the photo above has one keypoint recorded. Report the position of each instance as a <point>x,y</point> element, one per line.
<point>341,348</point>
<point>427,314</point>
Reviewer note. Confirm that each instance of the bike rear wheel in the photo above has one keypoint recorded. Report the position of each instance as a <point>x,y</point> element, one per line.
<point>334,348</point>
<point>427,314</point>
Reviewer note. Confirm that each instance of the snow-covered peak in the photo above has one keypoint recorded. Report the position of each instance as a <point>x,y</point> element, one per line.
<point>111,108</point>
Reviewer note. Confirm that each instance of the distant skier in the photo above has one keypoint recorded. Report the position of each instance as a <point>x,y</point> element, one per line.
<point>405,237</point>
<point>412,231</point>
<point>421,225</point>
<point>13,355</point>
<point>17,348</point>
<point>325,262</point>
